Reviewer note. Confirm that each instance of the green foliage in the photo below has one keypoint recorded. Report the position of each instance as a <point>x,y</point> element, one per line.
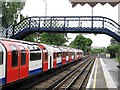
<point>113,41</point>
<point>53,38</point>
<point>113,50</point>
<point>48,38</point>
<point>81,42</point>
<point>30,38</point>
<point>96,51</point>
<point>10,12</point>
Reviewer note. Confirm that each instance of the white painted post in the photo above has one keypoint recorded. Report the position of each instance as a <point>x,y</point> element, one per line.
<point>119,49</point>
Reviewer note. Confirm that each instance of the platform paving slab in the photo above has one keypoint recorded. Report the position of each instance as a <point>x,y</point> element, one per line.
<point>104,75</point>
<point>111,66</point>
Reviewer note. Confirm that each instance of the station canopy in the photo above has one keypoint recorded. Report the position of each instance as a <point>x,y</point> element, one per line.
<point>92,3</point>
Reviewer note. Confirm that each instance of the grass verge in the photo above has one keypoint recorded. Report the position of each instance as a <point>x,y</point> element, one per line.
<point>116,59</point>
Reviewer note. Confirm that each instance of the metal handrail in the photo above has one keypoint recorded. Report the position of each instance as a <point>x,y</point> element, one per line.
<point>65,22</point>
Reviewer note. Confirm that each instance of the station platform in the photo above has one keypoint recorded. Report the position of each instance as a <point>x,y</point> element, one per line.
<point>104,75</point>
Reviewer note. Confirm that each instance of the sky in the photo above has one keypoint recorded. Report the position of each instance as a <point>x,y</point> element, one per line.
<point>64,8</point>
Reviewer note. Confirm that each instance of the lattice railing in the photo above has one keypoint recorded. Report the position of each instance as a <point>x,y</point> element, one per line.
<point>6,32</point>
<point>65,22</point>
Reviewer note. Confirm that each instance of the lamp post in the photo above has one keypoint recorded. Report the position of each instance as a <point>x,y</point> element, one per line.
<point>45,7</point>
<point>92,18</point>
<point>92,11</point>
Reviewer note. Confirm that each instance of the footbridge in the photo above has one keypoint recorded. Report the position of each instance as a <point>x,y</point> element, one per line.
<point>64,24</point>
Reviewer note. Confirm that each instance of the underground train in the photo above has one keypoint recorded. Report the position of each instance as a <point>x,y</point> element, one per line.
<point>22,59</point>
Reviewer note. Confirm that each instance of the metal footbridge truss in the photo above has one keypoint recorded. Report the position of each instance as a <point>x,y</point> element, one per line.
<point>64,24</point>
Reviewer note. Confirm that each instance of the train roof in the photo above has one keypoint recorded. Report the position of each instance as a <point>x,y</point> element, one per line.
<point>63,49</point>
<point>43,46</point>
<point>52,48</point>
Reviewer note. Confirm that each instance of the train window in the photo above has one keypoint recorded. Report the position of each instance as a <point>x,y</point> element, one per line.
<point>66,53</point>
<point>62,54</point>
<point>14,56</point>
<point>54,55</point>
<point>35,54</point>
<point>70,54</point>
<point>73,53</point>
<point>59,54</point>
<point>1,56</point>
<point>46,56</point>
<point>23,55</point>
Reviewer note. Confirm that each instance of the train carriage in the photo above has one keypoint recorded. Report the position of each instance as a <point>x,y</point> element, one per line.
<point>2,64</point>
<point>57,56</point>
<point>65,57</point>
<point>47,57</point>
<point>12,61</point>
<point>21,59</point>
<point>75,55</point>
<point>35,59</point>
<point>24,60</point>
<point>79,54</point>
<point>54,56</point>
<point>71,54</point>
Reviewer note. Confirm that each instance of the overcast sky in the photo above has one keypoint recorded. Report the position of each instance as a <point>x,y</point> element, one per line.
<point>64,8</point>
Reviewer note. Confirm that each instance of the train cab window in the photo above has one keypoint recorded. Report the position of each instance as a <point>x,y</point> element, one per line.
<point>14,56</point>
<point>1,56</point>
<point>23,55</point>
<point>35,53</point>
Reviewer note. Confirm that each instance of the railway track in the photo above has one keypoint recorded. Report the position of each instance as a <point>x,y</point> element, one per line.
<point>53,81</point>
<point>73,79</point>
<point>31,82</point>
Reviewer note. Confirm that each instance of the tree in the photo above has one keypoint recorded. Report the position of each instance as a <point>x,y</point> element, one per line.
<point>10,12</point>
<point>96,51</point>
<point>53,38</point>
<point>113,50</point>
<point>81,42</point>
<point>49,38</point>
<point>30,38</point>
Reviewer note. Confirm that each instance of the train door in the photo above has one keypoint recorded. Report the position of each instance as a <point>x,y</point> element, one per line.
<point>50,62</point>
<point>73,55</point>
<point>23,67</point>
<point>45,60</point>
<point>2,64</point>
<point>12,63</point>
<point>67,57</point>
<point>49,59</point>
<point>54,59</point>
<point>59,58</point>
<point>50,56</point>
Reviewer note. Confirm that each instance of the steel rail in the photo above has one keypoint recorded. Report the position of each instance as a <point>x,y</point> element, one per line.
<point>82,71</point>
<point>57,83</point>
<point>47,76</point>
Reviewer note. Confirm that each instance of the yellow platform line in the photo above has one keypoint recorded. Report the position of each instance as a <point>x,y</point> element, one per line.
<point>95,74</point>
